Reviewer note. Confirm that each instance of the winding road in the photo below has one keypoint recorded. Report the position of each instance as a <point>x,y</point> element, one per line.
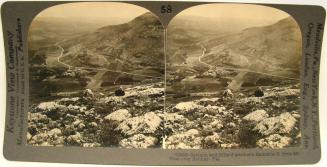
<point>61,55</point>
<point>238,69</point>
<point>92,68</point>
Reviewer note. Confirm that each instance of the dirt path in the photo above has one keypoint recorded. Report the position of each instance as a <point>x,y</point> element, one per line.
<point>99,69</point>
<point>60,56</point>
<point>239,69</point>
<point>237,81</point>
<point>96,81</point>
<point>204,50</point>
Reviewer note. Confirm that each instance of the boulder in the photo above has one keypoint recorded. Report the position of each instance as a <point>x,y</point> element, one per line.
<point>228,94</point>
<point>274,141</point>
<point>145,90</point>
<point>289,92</point>
<point>28,136</point>
<point>138,141</point>
<point>211,125</point>
<point>52,125</point>
<point>52,110</point>
<point>187,140</point>
<point>75,139</point>
<point>55,132</point>
<point>149,123</point>
<point>282,124</point>
<point>175,122</point>
<point>37,117</point>
<point>77,122</point>
<point>256,116</point>
<point>118,115</point>
<point>186,107</point>
<point>75,109</point>
<point>94,124</point>
<point>47,106</point>
<point>281,92</point>
<point>152,92</point>
<point>39,138</point>
<point>213,141</point>
<point>213,110</point>
<point>44,139</point>
<point>88,93</point>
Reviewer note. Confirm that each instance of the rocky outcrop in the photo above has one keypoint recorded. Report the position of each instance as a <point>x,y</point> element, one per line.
<point>185,107</point>
<point>75,139</point>
<point>138,141</point>
<point>274,141</point>
<point>176,123</point>
<point>238,122</point>
<point>149,123</point>
<point>52,138</point>
<point>256,116</point>
<point>48,106</point>
<point>187,140</point>
<point>277,92</point>
<point>213,141</point>
<point>96,119</point>
<point>118,116</point>
<point>138,120</point>
<point>281,124</point>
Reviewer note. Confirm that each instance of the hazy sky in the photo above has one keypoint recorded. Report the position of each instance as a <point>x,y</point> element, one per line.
<point>94,10</point>
<point>256,15</point>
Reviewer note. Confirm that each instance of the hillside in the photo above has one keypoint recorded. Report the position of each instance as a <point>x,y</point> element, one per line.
<point>131,46</point>
<point>45,31</point>
<point>264,49</point>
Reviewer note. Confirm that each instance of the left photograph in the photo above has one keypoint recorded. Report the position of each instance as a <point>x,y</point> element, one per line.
<point>96,76</point>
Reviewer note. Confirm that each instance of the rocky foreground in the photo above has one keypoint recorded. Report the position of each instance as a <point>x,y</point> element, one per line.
<point>138,120</point>
<point>94,119</point>
<point>236,121</point>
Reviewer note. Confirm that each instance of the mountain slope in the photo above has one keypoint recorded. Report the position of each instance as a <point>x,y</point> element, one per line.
<point>271,48</point>
<point>131,46</point>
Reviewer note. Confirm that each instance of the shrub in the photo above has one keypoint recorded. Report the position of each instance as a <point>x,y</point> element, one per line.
<point>108,135</point>
<point>248,137</point>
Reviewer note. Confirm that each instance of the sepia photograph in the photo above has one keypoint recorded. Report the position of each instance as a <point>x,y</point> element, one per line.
<point>103,79</point>
<point>233,78</point>
<point>96,72</point>
<point>163,82</point>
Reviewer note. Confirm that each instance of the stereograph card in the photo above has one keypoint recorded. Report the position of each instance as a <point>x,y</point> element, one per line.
<point>185,83</point>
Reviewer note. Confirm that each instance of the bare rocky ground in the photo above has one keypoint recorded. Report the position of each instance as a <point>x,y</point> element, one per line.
<point>138,120</point>
<point>236,121</point>
<point>94,119</point>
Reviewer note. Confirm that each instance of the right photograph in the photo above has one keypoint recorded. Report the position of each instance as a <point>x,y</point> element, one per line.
<point>233,78</point>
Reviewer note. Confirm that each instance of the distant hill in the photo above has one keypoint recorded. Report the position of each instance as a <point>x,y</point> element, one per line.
<point>183,30</point>
<point>134,45</point>
<point>270,48</point>
<point>45,31</point>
